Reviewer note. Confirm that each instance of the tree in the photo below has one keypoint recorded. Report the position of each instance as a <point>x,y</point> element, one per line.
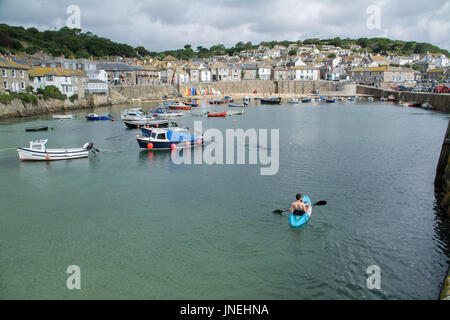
<point>292,52</point>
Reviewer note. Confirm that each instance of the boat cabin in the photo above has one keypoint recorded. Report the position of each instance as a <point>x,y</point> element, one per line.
<point>38,145</point>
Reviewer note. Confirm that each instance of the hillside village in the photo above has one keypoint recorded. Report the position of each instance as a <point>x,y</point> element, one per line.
<point>23,72</point>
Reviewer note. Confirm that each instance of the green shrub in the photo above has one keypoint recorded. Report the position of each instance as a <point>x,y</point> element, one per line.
<point>52,92</point>
<point>6,98</point>
<point>74,97</point>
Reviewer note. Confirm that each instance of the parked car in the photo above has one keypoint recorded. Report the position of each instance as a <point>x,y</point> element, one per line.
<point>441,89</point>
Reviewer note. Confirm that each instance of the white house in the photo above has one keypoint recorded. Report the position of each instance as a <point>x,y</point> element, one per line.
<point>264,72</point>
<point>303,73</point>
<point>68,82</point>
<point>205,75</point>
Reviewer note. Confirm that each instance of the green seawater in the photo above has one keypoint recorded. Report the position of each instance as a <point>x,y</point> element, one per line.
<point>141,227</point>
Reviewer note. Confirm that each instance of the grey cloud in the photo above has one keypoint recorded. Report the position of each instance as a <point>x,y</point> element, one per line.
<point>170,24</point>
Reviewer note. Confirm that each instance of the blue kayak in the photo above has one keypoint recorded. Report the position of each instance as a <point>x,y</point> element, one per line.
<point>298,221</point>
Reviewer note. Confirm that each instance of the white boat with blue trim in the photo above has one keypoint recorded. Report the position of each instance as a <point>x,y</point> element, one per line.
<point>38,152</point>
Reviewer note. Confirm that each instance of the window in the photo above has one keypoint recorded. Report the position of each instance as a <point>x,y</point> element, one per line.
<point>49,78</point>
<point>22,74</point>
<point>13,73</point>
<point>22,84</point>
<point>161,136</point>
<point>5,84</point>
<point>4,72</point>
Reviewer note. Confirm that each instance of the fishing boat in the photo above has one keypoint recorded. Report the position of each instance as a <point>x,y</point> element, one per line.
<point>166,139</point>
<point>340,99</point>
<point>370,98</point>
<point>151,122</point>
<point>43,128</point>
<point>300,220</point>
<point>271,100</point>
<point>306,100</point>
<point>179,106</point>
<point>351,99</point>
<point>330,100</point>
<point>192,103</point>
<point>236,105</point>
<point>37,151</point>
<point>293,101</point>
<point>427,106</point>
<point>217,114</point>
<point>94,116</point>
<point>391,98</point>
<point>246,99</point>
<point>62,116</point>
<point>161,114</point>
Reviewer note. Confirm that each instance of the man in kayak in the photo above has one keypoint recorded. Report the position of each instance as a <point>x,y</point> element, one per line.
<point>299,207</point>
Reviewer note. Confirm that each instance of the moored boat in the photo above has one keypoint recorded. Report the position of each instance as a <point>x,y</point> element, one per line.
<point>43,128</point>
<point>330,100</point>
<point>38,152</point>
<point>236,105</point>
<point>179,106</point>
<point>300,220</point>
<point>94,116</point>
<point>427,106</point>
<point>161,114</point>
<point>217,101</point>
<point>306,100</point>
<point>217,114</point>
<point>271,100</point>
<point>62,116</point>
<point>391,98</point>
<point>293,101</point>
<point>166,139</point>
<point>151,122</point>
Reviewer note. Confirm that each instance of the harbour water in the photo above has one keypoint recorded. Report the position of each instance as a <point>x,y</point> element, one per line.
<point>141,227</point>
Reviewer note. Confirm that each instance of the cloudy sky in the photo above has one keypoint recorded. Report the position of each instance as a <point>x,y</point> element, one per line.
<point>170,24</point>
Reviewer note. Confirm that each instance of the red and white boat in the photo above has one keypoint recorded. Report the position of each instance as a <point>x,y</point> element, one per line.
<point>217,114</point>
<point>179,106</point>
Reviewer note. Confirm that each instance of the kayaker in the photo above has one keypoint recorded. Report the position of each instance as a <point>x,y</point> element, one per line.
<point>299,207</point>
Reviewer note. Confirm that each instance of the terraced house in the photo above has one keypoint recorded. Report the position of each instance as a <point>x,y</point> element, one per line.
<point>378,75</point>
<point>68,82</point>
<point>14,76</point>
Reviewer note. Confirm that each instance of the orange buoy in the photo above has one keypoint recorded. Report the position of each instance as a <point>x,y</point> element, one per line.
<point>199,141</point>
<point>138,126</point>
<point>137,136</point>
<point>149,145</point>
<point>187,144</point>
<point>173,146</point>
<point>157,126</point>
<point>47,156</point>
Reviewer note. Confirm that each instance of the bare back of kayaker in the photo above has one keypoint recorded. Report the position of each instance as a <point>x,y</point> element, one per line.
<point>299,207</point>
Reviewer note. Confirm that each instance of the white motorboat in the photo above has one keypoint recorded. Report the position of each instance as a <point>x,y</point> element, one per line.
<point>293,100</point>
<point>62,116</point>
<point>37,151</point>
<point>132,114</point>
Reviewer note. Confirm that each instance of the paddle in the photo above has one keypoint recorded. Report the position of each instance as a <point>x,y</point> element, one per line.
<point>318,203</point>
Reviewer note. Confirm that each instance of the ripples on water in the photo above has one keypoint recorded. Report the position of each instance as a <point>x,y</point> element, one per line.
<point>141,227</point>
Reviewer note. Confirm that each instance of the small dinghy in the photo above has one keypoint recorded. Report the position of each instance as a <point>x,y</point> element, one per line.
<point>236,105</point>
<point>300,220</point>
<point>427,106</point>
<point>62,116</point>
<point>216,114</point>
<point>94,116</point>
<point>306,100</point>
<point>293,101</point>
<point>151,122</point>
<point>38,152</point>
<point>37,129</point>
